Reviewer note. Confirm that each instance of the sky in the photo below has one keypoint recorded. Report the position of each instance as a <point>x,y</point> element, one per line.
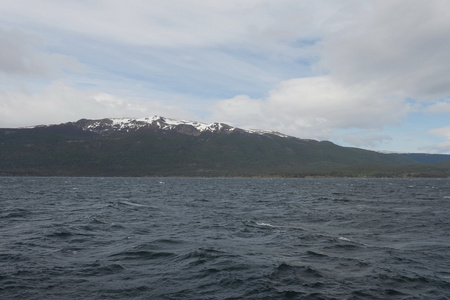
<point>370,74</point>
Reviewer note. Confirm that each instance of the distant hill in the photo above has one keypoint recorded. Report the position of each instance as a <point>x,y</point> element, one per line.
<point>426,158</point>
<point>161,146</point>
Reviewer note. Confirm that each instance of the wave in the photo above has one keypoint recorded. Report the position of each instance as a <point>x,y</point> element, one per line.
<point>297,281</point>
<point>141,255</point>
<point>100,269</point>
<point>15,213</point>
<point>317,254</point>
<point>341,238</point>
<point>262,224</point>
<point>131,203</point>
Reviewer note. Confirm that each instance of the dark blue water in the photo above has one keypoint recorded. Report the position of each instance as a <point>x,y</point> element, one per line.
<point>190,238</point>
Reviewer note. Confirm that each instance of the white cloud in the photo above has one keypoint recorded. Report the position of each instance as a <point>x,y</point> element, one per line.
<point>443,131</point>
<point>314,107</point>
<point>443,147</point>
<point>237,109</point>
<point>440,148</point>
<point>60,103</point>
<point>360,140</point>
<point>440,107</point>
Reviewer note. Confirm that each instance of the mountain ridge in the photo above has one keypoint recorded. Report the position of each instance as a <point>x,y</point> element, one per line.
<point>159,146</point>
<point>195,128</point>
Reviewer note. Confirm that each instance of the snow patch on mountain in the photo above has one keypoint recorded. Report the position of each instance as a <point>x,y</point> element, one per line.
<point>163,123</point>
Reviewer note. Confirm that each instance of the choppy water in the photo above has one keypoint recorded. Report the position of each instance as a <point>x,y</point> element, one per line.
<point>190,238</point>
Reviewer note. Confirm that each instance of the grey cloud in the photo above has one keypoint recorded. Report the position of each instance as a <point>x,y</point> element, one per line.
<point>17,53</point>
<point>400,46</point>
<point>188,23</point>
<point>23,54</point>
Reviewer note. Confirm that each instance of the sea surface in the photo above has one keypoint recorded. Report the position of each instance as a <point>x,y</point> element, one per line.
<point>224,238</point>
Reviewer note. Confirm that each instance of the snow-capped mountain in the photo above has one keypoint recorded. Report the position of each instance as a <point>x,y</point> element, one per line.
<point>105,126</point>
<point>158,146</point>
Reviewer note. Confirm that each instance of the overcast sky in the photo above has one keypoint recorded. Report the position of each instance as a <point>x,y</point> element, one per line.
<point>370,74</point>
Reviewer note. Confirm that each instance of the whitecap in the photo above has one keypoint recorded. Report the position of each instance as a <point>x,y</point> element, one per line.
<point>132,203</point>
<point>344,239</point>
<point>265,224</point>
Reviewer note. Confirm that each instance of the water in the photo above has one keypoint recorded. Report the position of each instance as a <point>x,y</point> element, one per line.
<point>191,238</point>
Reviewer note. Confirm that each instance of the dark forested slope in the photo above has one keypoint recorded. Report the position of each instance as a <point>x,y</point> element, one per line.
<point>164,147</point>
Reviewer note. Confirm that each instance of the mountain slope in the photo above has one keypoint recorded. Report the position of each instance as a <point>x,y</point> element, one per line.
<point>426,158</point>
<point>160,146</point>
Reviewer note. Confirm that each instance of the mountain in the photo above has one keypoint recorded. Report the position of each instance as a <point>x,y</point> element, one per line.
<point>426,157</point>
<point>125,125</point>
<point>159,146</point>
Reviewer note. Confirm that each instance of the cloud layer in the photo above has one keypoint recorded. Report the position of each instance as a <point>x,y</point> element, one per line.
<point>401,46</point>
<point>314,107</point>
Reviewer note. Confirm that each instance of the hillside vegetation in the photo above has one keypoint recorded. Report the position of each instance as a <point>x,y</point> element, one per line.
<point>69,150</point>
